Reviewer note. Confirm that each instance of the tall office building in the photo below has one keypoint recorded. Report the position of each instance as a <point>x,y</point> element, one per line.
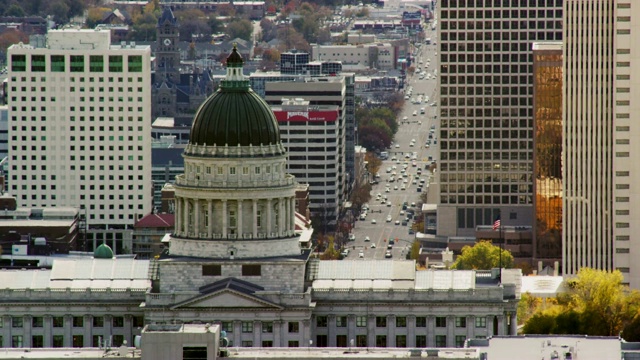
<point>79,128</point>
<point>327,197</point>
<point>547,155</point>
<point>309,136</point>
<point>600,59</point>
<point>486,107</point>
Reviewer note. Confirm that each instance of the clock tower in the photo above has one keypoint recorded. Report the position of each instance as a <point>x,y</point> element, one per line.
<point>167,51</point>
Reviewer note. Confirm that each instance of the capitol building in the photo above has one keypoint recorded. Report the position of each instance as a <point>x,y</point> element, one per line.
<point>235,260</point>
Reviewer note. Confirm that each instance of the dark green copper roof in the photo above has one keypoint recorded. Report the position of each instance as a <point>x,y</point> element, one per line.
<point>103,252</point>
<point>234,115</point>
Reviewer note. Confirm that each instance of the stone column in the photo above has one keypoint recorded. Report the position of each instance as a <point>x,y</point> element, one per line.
<point>351,329</point>
<point>108,326</point>
<point>185,216</point>
<point>224,219</point>
<point>257,333</point>
<point>26,331</point>
<point>471,326</point>
<point>68,325</point>
<point>269,215</point>
<point>47,331</point>
<point>240,216</point>
<point>451,327</point>
<point>237,333</point>
<point>210,222</point>
<point>128,330</point>
<point>371,330</point>
<point>431,327</point>
<point>293,215</point>
<point>501,324</point>
<point>331,331</point>
<point>306,333</point>
<point>411,331</point>
<point>490,325</point>
<point>177,226</point>
<point>514,324</point>
<point>196,217</point>
<point>280,216</point>
<point>277,333</point>
<point>391,331</point>
<point>254,208</point>
<point>87,322</point>
<point>287,215</point>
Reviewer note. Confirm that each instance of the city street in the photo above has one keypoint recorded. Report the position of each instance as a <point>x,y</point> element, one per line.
<point>413,126</point>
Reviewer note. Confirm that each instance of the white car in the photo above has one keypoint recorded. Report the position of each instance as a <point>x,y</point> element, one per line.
<point>403,187</point>
<point>373,246</point>
<point>397,146</point>
<point>373,221</point>
<point>388,204</point>
<point>352,237</point>
<point>397,222</point>
<point>361,255</point>
<point>415,113</point>
<point>387,190</point>
<point>366,238</point>
<point>388,218</point>
<point>395,187</point>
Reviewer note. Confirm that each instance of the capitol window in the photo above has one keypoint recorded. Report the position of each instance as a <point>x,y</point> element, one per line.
<point>257,170</point>
<point>232,170</point>
<point>258,218</point>
<point>245,170</point>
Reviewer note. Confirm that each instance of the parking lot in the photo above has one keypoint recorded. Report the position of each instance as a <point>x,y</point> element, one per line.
<point>415,146</point>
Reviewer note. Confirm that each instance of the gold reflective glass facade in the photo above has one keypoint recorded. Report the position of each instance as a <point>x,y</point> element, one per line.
<point>547,158</point>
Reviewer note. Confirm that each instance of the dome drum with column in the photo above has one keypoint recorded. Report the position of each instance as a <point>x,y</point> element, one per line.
<point>235,199</point>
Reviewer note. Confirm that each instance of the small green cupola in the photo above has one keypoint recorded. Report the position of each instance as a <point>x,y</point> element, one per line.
<point>103,252</point>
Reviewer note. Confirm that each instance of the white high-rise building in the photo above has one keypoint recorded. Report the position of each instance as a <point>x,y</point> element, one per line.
<point>601,140</point>
<point>80,127</point>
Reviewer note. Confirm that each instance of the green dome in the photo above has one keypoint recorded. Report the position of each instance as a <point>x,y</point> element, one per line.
<point>234,115</point>
<point>103,252</point>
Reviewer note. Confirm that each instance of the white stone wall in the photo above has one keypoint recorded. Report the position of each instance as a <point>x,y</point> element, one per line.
<point>286,277</point>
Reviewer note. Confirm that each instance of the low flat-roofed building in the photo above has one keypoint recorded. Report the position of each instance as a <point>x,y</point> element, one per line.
<point>79,302</point>
<point>558,347</point>
<point>389,304</point>
<point>37,231</point>
<point>180,341</point>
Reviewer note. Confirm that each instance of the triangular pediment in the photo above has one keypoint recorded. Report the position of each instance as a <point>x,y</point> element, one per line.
<point>226,297</point>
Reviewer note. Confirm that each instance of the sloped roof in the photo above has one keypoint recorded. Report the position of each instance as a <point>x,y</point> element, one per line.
<point>156,221</point>
<point>167,15</point>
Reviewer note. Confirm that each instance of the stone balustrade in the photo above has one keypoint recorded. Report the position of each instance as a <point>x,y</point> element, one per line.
<point>408,295</point>
<point>68,294</point>
<point>288,180</point>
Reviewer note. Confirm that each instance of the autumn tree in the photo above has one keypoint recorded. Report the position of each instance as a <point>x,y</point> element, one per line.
<point>596,304</point>
<point>483,256</point>
<point>360,195</point>
<point>373,162</point>
<point>415,250</point>
<point>331,253</point>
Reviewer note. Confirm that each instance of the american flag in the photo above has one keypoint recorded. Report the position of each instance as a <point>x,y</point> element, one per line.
<point>496,224</point>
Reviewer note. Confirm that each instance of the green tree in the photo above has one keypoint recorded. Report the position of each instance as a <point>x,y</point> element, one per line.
<point>240,28</point>
<point>215,24</point>
<point>482,256</point>
<point>14,10</point>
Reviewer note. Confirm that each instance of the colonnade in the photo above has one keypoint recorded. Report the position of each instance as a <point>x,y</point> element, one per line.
<point>195,218</point>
